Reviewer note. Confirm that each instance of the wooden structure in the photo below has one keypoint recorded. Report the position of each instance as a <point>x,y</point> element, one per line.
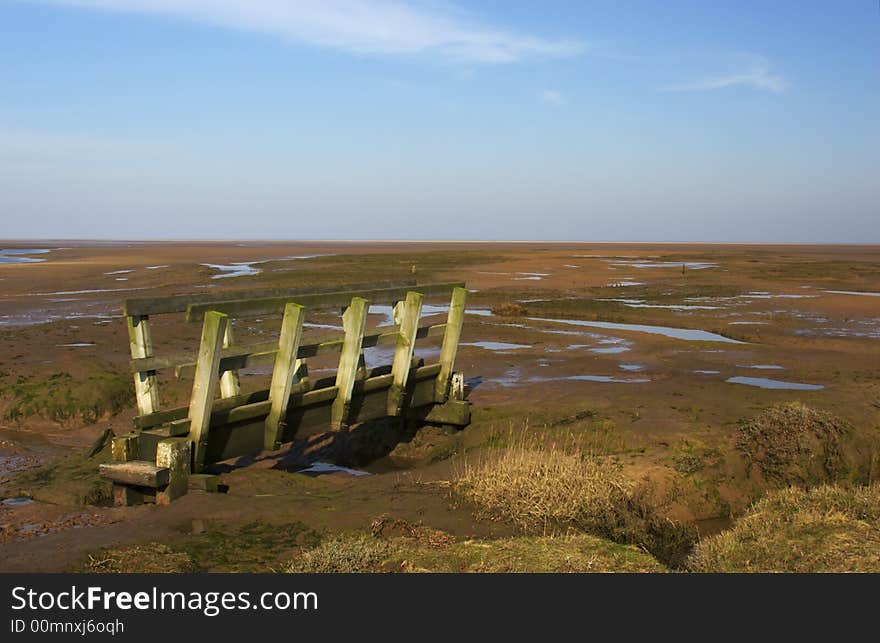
<point>170,449</point>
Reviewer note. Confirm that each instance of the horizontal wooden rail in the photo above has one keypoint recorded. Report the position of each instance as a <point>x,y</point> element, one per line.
<point>262,307</point>
<point>140,306</point>
<point>245,407</point>
<point>237,357</point>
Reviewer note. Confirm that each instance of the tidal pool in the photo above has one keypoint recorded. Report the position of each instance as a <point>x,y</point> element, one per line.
<point>318,468</point>
<point>607,379</point>
<point>688,334</point>
<point>763,367</point>
<point>17,502</point>
<point>763,382</point>
<point>18,255</point>
<point>690,265</point>
<point>240,269</point>
<point>854,292</point>
<point>496,346</point>
<point>610,350</point>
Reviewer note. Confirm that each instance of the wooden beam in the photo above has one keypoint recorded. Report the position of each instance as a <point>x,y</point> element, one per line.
<point>354,321</point>
<point>406,315</point>
<point>238,357</point>
<point>449,348</point>
<point>138,306</point>
<point>140,344</point>
<point>284,372</point>
<point>205,383</point>
<point>262,307</point>
<point>137,472</point>
<point>307,390</point>
<point>230,386</point>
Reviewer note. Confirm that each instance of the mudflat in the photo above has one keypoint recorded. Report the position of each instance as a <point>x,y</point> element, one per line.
<point>650,354</point>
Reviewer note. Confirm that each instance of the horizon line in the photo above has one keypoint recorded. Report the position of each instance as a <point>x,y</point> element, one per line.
<point>421,241</point>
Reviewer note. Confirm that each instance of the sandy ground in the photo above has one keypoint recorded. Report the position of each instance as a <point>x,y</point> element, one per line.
<point>771,311</point>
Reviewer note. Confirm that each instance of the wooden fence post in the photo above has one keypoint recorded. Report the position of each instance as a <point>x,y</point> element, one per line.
<point>205,383</point>
<point>141,345</point>
<point>173,454</point>
<point>354,321</point>
<point>283,373</point>
<point>230,385</point>
<point>406,315</point>
<point>448,349</point>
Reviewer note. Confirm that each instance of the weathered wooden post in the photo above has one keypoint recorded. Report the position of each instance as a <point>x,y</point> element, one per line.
<point>406,316</point>
<point>205,383</point>
<point>354,321</point>
<point>283,373</point>
<point>173,454</point>
<point>449,348</point>
<point>230,385</point>
<point>141,345</point>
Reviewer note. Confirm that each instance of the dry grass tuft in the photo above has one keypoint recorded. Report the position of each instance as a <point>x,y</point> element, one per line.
<point>343,555</point>
<point>577,553</point>
<point>825,529</point>
<point>793,444</point>
<point>548,489</point>
<point>153,558</point>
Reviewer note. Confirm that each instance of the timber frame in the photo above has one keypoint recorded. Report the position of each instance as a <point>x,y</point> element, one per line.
<point>170,450</point>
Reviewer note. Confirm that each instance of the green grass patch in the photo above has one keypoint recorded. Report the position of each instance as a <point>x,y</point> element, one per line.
<point>63,399</point>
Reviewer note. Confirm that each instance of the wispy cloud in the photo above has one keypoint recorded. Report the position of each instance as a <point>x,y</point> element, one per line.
<point>755,73</point>
<point>372,27</point>
<point>552,97</point>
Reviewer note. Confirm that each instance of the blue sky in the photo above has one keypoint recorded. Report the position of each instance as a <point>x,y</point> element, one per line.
<point>366,119</point>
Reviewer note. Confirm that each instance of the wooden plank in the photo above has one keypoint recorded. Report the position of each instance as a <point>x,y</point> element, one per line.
<point>453,413</point>
<point>140,344</point>
<point>239,357</point>
<point>242,431</point>
<point>205,383</point>
<point>284,372</point>
<point>230,386</point>
<point>139,306</point>
<point>354,321</point>
<point>180,413</point>
<point>406,315</point>
<point>137,472</point>
<point>260,307</point>
<point>454,322</point>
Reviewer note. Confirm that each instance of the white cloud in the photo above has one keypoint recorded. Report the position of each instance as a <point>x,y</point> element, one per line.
<point>552,97</point>
<point>374,27</point>
<point>755,74</point>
